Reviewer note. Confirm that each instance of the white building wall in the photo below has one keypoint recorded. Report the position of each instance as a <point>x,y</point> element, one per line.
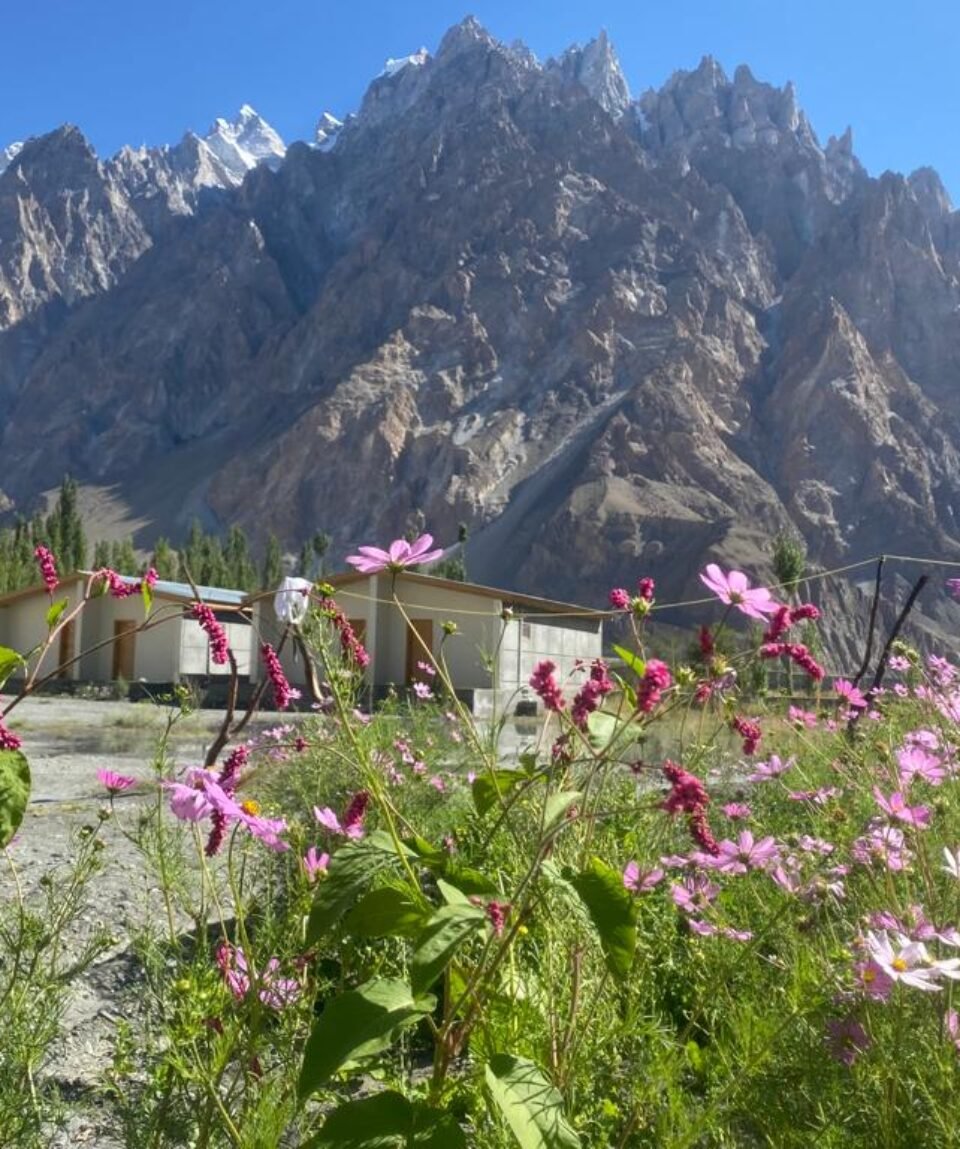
<point>23,625</point>
<point>563,641</point>
<point>466,653</point>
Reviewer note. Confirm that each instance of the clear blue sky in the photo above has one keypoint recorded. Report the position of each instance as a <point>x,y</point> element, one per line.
<point>142,71</point>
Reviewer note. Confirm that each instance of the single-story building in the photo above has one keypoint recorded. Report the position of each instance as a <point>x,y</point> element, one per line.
<point>501,635</point>
<point>103,643</point>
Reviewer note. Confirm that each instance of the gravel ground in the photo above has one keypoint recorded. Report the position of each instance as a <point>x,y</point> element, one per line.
<point>66,741</point>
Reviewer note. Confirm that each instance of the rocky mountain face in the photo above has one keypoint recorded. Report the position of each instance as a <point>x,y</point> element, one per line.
<point>612,335</point>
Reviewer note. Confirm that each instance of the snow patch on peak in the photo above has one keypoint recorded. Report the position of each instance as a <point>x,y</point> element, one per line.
<point>245,143</point>
<point>327,130</point>
<point>9,154</point>
<point>417,60</point>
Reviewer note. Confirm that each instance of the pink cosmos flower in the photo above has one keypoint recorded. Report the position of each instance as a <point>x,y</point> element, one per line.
<point>736,810</point>
<point>314,863</point>
<point>743,854</point>
<point>275,992</point>
<point>898,662</point>
<point>818,797</point>
<point>422,691</point>
<point>903,960</point>
<point>400,554</point>
<point>951,1024</point>
<point>846,1040</point>
<point>693,894</point>
<point>896,807</point>
<point>352,825</point>
<point>850,694</point>
<point>885,844</point>
<point>734,589</point>
<point>917,762</point>
<point>764,771</point>
<point>115,783</point>
<point>639,881</point>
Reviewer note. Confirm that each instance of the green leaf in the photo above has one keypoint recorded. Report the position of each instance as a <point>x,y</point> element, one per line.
<point>14,792</point>
<point>557,807</point>
<point>612,911</point>
<point>446,931</point>
<point>358,1024</point>
<point>10,661</point>
<point>387,1121</point>
<point>55,611</point>
<point>451,894</point>
<point>634,661</point>
<point>533,1108</point>
<point>488,789</point>
<point>147,595</point>
<point>601,729</point>
<point>351,871</point>
<point>386,912</point>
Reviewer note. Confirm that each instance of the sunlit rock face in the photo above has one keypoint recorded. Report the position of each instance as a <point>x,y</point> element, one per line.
<point>613,336</point>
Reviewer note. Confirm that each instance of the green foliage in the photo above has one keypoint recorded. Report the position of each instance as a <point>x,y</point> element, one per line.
<point>789,560</point>
<point>357,1025</point>
<point>612,911</point>
<point>532,1107</point>
<point>14,792</point>
<point>440,939</point>
<point>388,1121</point>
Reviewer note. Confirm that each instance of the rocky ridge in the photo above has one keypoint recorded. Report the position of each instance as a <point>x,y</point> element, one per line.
<point>610,335</point>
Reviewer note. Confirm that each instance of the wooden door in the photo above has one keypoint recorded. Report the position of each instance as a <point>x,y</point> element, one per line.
<point>66,650</point>
<point>124,649</point>
<point>415,646</point>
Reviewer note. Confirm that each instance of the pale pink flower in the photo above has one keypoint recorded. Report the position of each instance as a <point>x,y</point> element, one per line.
<point>734,589</point>
<point>736,810</point>
<point>885,844</point>
<point>818,797</point>
<point>917,762</point>
<point>694,893</point>
<point>896,807</point>
<point>314,863</point>
<point>115,783</point>
<point>898,662</point>
<point>743,854</point>
<point>846,1039</point>
<point>903,960</point>
<point>422,691</point>
<point>764,771</point>
<point>850,694</point>
<point>398,555</point>
<point>639,881</point>
<point>953,862</point>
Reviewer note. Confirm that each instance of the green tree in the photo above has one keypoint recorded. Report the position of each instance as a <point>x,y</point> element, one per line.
<point>164,559</point>
<point>272,570</point>
<point>789,561</point>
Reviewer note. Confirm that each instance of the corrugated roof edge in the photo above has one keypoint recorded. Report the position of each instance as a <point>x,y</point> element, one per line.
<point>180,591</point>
<point>507,597</point>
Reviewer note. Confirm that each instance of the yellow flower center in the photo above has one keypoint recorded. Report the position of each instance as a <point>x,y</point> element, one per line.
<point>869,975</point>
<point>250,807</point>
<point>899,965</point>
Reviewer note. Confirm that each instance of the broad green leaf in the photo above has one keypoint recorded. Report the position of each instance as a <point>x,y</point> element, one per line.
<point>387,1121</point>
<point>147,595</point>
<point>557,807</point>
<point>533,1108</point>
<point>634,661</point>
<point>358,1024</point>
<point>489,788</point>
<point>601,728</point>
<point>469,880</point>
<point>351,871</point>
<point>442,936</point>
<point>14,792</point>
<point>55,611</point>
<point>10,661</point>
<point>451,894</point>
<point>386,912</point>
<point>612,911</point>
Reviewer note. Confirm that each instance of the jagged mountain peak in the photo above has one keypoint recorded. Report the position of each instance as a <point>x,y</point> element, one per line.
<point>327,131</point>
<point>9,154</point>
<point>597,68</point>
<point>245,142</point>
